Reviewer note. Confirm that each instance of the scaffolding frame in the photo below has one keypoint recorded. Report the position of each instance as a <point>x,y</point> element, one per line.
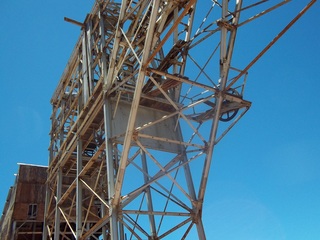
<point>134,125</point>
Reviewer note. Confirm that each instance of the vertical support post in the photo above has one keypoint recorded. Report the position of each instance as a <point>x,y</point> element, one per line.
<point>225,58</point>
<point>185,51</point>
<point>57,211</point>
<point>103,213</point>
<point>104,73</point>
<point>85,81</point>
<point>196,205</point>
<point>122,235</point>
<point>148,194</point>
<point>223,46</point>
<point>13,230</point>
<point>110,170</point>
<point>191,189</point>
<point>108,134</point>
<point>79,190</point>
<point>135,102</point>
<point>61,134</point>
<point>53,119</point>
<point>233,33</point>
<point>48,191</point>
<point>224,67</point>
<point>89,55</point>
<point>187,170</point>
<point>175,37</point>
<point>116,201</point>
<point>112,61</point>
<point>46,209</point>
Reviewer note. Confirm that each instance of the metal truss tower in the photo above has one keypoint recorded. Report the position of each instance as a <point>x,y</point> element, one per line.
<point>148,92</point>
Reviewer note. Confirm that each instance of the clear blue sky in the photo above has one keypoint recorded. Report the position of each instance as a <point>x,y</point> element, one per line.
<point>265,178</point>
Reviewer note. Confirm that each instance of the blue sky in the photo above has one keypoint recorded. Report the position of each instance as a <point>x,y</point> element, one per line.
<point>264,182</point>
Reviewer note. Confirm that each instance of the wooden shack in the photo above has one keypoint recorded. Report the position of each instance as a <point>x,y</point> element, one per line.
<point>23,213</point>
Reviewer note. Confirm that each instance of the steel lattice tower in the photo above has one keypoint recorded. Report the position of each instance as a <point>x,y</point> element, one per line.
<point>148,92</point>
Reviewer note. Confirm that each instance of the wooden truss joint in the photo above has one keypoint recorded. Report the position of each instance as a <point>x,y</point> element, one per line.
<point>224,24</point>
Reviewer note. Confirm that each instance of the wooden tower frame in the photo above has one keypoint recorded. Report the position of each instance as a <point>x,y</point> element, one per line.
<point>148,92</point>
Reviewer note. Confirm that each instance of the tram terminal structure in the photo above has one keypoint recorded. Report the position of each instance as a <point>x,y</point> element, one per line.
<point>137,114</point>
<point>149,91</point>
